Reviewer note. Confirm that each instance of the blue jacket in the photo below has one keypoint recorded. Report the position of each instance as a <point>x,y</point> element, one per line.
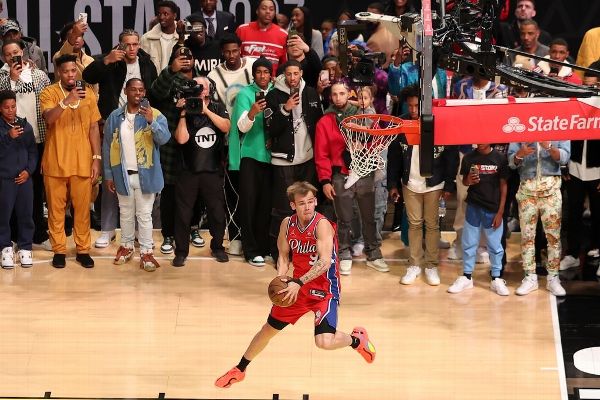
<point>148,139</point>
<point>18,154</point>
<point>528,167</point>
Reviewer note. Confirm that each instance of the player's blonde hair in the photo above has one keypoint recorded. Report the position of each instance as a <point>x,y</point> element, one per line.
<point>300,188</point>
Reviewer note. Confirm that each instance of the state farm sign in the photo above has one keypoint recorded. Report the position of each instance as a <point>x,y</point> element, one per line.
<point>515,120</point>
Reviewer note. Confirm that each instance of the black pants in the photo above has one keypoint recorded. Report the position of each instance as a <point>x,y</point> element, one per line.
<point>255,206</point>
<point>209,186</point>
<point>284,176</point>
<point>20,199</point>
<point>576,192</point>
<point>232,195</point>
<point>167,211</point>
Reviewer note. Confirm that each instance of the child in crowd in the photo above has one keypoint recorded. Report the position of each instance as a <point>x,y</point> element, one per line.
<point>18,153</point>
<point>485,172</point>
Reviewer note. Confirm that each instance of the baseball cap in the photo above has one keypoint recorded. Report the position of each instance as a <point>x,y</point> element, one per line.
<point>9,25</point>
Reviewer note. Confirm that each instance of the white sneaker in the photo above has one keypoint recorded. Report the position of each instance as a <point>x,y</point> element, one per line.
<point>411,275</point>
<point>483,257</point>
<point>196,239</point>
<point>345,267</point>
<point>553,285</point>
<point>528,285</point>
<point>453,254</point>
<point>595,253</point>
<point>568,262</point>
<point>461,283</point>
<point>25,258</point>
<point>235,248</point>
<point>104,239</point>
<point>45,245</point>
<point>352,178</point>
<point>357,249</point>
<point>257,261</point>
<point>498,286</point>
<point>431,276</point>
<point>8,257</point>
<point>378,265</point>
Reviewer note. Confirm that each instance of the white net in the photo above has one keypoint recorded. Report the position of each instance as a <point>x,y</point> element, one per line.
<point>365,148</point>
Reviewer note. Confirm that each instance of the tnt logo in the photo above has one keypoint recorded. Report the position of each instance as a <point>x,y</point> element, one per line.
<point>514,125</point>
<point>205,137</point>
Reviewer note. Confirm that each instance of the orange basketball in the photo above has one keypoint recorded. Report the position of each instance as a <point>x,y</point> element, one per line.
<point>275,286</point>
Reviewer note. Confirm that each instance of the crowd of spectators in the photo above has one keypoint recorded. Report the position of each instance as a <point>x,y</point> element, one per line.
<point>202,120</point>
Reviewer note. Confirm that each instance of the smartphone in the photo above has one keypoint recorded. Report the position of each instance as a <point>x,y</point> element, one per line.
<point>260,95</point>
<point>83,17</point>
<point>294,90</point>
<point>474,169</point>
<point>20,122</point>
<point>184,52</point>
<point>324,76</point>
<point>292,32</point>
<point>80,85</point>
<point>18,60</point>
<point>122,47</point>
<point>144,103</point>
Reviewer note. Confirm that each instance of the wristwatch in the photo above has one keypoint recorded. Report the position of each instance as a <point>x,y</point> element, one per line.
<point>96,157</point>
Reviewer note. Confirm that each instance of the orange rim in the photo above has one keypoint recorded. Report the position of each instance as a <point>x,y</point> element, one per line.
<point>402,126</point>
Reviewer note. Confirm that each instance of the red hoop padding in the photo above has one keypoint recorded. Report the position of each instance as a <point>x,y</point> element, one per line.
<point>383,125</point>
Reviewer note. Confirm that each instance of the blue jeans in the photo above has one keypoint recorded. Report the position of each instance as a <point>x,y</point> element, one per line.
<point>476,220</point>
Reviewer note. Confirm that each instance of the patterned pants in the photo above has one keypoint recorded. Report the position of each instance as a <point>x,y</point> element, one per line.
<point>550,210</point>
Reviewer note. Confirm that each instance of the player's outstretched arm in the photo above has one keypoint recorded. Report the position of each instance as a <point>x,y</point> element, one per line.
<point>283,263</point>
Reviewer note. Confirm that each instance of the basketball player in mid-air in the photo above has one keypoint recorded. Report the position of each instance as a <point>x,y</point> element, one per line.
<point>310,238</point>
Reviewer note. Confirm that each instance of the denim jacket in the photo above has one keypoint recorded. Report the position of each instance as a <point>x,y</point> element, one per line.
<point>528,167</point>
<point>148,138</point>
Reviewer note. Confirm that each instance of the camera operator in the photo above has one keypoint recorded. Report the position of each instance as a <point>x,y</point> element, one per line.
<point>201,131</point>
<point>164,91</point>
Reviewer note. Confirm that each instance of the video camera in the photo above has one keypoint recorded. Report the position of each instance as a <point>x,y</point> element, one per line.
<point>358,65</point>
<point>190,91</point>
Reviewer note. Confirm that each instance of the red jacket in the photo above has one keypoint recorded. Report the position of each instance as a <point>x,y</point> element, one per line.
<point>329,148</point>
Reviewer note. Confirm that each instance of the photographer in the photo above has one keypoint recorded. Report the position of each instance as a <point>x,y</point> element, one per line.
<point>164,90</point>
<point>293,109</point>
<point>201,132</point>
<point>298,50</point>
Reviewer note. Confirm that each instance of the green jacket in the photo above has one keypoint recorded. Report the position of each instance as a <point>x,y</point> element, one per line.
<point>251,144</point>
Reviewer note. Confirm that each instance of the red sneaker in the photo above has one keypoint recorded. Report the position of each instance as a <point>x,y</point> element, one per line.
<point>365,348</point>
<point>232,376</point>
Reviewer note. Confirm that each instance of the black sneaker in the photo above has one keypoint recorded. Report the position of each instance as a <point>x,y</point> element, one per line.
<point>85,260</point>
<point>167,245</point>
<point>220,255</point>
<point>59,261</point>
<point>178,261</point>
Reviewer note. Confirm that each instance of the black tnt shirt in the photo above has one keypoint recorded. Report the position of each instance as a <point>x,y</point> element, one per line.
<point>204,151</point>
<point>492,167</point>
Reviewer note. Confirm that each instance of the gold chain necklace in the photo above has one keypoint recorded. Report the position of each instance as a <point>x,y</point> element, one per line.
<point>71,106</point>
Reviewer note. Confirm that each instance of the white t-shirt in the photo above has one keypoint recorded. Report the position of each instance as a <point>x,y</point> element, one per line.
<point>416,183</point>
<point>128,142</point>
<point>133,71</point>
<point>166,46</point>
<point>26,100</point>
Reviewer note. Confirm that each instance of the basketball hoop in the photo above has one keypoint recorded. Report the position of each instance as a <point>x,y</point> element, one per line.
<point>367,135</point>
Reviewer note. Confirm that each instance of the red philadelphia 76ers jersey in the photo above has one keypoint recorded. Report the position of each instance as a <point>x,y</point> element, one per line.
<point>303,248</point>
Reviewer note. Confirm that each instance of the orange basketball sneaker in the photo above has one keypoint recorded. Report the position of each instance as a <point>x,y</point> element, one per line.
<point>365,348</point>
<point>232,376</point>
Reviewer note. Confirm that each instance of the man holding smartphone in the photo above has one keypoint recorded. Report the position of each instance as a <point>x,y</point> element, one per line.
<point>111,71</point>
<point>27,82</point>
<point>293,109</point>
<point>248,154</point>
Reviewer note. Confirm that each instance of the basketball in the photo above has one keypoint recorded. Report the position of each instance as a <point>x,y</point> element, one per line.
<point>275,286</point>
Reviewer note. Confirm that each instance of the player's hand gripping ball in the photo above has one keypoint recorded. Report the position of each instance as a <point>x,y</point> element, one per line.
<point>278,283</point>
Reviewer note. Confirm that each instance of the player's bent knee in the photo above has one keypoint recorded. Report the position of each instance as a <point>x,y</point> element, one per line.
<point>324,341</point>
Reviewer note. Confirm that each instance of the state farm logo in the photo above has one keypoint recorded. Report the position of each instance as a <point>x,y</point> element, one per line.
<point>552,124</point>
<point>514,125</point>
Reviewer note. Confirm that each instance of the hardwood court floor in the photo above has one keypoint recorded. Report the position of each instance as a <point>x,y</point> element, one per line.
<point>117,331</point>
